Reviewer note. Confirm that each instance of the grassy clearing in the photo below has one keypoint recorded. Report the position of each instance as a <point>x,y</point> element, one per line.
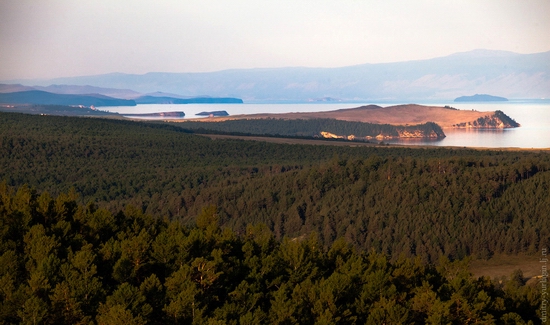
<point>503,265</point>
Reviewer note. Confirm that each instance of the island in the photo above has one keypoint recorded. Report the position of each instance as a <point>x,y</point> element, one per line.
<point>213,113</point>
<point>481,98</point>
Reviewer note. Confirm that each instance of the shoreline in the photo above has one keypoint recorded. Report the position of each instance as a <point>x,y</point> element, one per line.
<point>358,143</point>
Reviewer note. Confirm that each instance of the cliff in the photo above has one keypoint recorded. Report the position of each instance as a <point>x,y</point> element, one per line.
<point>496,120</point>
<point>428,130</point>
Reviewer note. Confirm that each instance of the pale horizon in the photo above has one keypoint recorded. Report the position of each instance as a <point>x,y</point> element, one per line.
<point>62,38</point>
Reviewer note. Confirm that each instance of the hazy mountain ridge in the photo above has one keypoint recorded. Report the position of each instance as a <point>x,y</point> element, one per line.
<point>47,98</point>
<point>72,90</point>
<point>78,95</point>
<point>507,74</point>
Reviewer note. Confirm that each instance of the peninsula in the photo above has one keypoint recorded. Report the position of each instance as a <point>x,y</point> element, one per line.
<point>410,114</point>
<point>360,123</point>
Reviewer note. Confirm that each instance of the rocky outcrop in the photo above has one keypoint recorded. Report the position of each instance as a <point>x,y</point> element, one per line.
<point>428,130</point>
<point>420,134</point>
<point>497,120</point>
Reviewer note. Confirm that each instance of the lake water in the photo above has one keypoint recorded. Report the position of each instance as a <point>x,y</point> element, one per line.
<point>534,117</point>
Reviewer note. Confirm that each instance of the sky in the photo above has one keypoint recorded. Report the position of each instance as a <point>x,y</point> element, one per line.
<point>42,39</point>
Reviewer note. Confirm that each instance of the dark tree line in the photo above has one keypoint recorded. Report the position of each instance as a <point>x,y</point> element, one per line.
<point>308,127</point>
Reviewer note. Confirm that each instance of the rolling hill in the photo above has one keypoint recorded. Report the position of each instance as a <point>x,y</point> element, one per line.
<point>411,114</point>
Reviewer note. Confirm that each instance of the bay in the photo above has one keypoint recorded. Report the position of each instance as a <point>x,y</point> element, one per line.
<point>533,115</point>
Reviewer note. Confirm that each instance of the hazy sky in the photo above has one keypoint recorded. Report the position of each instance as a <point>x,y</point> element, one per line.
<point>61,38</point>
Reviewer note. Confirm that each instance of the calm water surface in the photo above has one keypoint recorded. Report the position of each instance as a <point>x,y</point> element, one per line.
<point>534,117</point>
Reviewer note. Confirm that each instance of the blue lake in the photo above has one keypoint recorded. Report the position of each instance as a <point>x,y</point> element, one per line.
<point>534,117</point>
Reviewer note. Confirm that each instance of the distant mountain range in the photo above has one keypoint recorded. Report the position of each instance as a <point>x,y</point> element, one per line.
<point>498,73</point>
<point>73,90</point>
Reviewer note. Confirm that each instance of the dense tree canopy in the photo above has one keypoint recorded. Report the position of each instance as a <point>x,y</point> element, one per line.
<point>419,202</point>
<point>65,263</point>
<point>118,222</point>
<point>309,127</point>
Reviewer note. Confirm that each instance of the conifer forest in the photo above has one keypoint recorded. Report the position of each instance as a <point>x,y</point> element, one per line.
<point>108,221</point>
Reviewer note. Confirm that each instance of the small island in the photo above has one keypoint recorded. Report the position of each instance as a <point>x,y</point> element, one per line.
<point>480,98</point>
<point>213,113</point>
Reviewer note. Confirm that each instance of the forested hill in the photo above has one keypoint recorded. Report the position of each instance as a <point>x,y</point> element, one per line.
<point>45,98</point>
<point>132,223</point>
<point>419,202</point>
<point>315,127</point>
